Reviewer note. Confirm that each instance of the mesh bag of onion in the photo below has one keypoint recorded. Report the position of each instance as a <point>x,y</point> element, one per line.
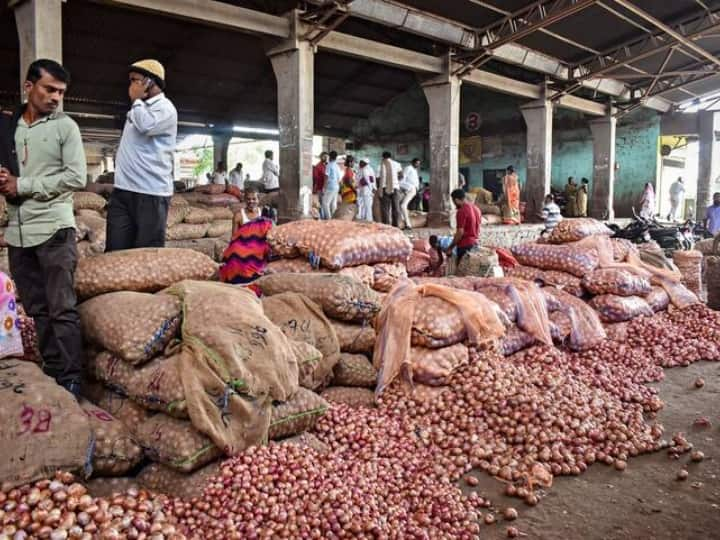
<point>187,231</point>
<point>156,385</point>
<point>140,270</point>
<point>387,275</point>
<point>176,214</point>
<point>515,340</point>
<point>613,308</point>
<point>437,324</point>
<point>690,265</point>
<point>297,414</point>
<point>121,407</point>
<point>576,260</point>
<point>616,281</point>
<point>658,299</point>
<point>712,276</point>
<point>364,273</point>
<point>175,443</point>
<point>340,297</point>
<point>354,370</point>
<point>572,230</point>
<point>289,266</point>
<point>164,479</point>
<point>314,371</point>
<point>352,396</point>
<point>115,451</point>
<point>434,366</point>
<point>355,338</point>
<point>307,440</point>
<point>31,350</point>
<point>341,243</point>
<point>556,278</point>
<point>134,326</point>
<point>586,330</point>
<point>86,200</point>
<point>198,215</point>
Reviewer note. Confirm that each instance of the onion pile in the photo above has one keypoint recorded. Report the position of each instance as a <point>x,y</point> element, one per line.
<point>61,508</point>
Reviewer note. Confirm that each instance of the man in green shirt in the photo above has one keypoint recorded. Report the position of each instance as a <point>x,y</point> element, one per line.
<point>44,162</point>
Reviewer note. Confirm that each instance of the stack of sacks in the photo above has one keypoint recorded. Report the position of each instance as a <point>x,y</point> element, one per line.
<point>194,370</point>
<point>198,225</point>
<point>350,307</point>
<point>90,223</point>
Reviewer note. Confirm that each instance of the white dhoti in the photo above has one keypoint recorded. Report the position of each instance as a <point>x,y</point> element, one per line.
<point>675,204</point>
<point>365,197</point>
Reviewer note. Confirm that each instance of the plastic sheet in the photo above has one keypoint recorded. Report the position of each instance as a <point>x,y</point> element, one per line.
<point>586,331</point>
<point>562,280</point>
<point>613,308</point>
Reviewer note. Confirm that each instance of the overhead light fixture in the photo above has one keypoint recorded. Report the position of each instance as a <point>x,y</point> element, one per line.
<point>258,131</point>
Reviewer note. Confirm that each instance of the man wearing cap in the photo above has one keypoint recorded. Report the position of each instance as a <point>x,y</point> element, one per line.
<point>366,190</point>
<point>138,207</point>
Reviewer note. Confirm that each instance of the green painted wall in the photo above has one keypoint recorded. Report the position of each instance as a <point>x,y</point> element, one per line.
<point>501,129</point>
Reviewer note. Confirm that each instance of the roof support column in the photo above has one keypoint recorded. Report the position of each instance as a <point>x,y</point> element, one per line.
<point>39,25</point>
<point>294,64</point>
<point>538,117</point>
<point>602,193</point>
<point>443,97</point>
<point>221,144</point>
<point>709,162</point>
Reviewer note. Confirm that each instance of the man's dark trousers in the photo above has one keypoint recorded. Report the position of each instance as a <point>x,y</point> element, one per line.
<point>136,220</point>
<point>45,280</point>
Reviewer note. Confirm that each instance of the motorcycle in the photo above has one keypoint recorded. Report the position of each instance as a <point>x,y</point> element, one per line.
<point>642,230</point>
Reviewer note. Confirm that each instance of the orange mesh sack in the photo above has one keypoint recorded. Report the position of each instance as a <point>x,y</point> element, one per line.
<point>355,338</point>
<point>296,415</point>
<point>621,248</point>
<point>387,275</point>
<point>198,215</point>
<point>576,260</point>
<point>340,297</point>
<point>613,308</point>
<point>437,324</point>
<point>418,263</point>
<point>364,273</point>
<point>349,395</point>
<point>338,244</point>
<point>293,266</point>
<point>435,366</point>
<point>658,299</point>
<point>572,230</point>
<point>690,265</point>
<point>354,370</point>
<point>562,280</point>
<point>616,281</point>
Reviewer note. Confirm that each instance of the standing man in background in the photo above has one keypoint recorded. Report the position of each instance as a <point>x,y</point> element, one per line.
<point>366,190</point>
<point>677,195</point>
<point>43,162</point>
<point>271,174</point>
<point>331,186</point>
<point>389,176</point>
<point>409,186</point>
<point>236,176</point>
<point>219,177</point>
<point>138,206</point>
<point>318,174</point>
<point>712,215</point>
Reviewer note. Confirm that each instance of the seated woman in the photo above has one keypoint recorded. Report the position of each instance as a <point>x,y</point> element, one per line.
<point>246,258</point>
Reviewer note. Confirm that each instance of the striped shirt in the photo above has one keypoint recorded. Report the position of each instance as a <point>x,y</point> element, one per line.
<point>551,215</point>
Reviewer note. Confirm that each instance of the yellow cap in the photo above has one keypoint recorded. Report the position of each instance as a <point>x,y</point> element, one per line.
<point>152,69</point>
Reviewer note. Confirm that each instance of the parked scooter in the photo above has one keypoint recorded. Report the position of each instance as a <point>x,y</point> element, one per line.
<point>670,238</point>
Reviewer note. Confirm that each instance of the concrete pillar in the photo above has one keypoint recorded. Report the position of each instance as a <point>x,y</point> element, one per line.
<point>709,161</point>
<point>39,25</point>
<point>538,117</point>
<point>294,64</point>
<point>603,180</point>
<point>221,143</point>
<point>443,97</point>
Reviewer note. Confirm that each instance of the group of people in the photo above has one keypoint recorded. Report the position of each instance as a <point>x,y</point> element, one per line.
<point>576,197</point>
<point>270,180</point>
<point>395,187</point>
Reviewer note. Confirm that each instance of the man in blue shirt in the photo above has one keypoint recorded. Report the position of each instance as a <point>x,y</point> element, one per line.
<point>712,216</point>
<point>331,187</point>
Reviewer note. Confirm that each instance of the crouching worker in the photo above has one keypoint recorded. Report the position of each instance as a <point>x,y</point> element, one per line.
<point>247,256</point>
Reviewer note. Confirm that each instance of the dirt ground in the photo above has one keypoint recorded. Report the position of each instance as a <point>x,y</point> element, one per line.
<point>645,502</point>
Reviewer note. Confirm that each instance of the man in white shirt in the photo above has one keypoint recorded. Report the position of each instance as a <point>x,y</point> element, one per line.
<point>409,186</point>
<point>137,211</point>
<point>389,175</point>
<point>236,176</point>
<point>550,214</point>
<point>366,190</point>
<point>677,195</point>
<point>271,174</point>
<point>219,177</point>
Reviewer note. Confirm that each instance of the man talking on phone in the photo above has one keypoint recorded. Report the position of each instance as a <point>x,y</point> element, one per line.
<point>138,206</point>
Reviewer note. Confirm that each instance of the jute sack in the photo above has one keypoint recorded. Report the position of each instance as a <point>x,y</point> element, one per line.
<point>85,200</point>
<point>355,338</point>
<point>198,215</point>
<point>134,326</point>
<point>301,319</point>
<point>220,213</point>
<point>121,407</point>
<point>435,366</point>
<point>387,275</point>
<point>232,355</point>
<point>187,231</point>
<point>292,266</point>
<point>346,212</point>
<point>140,270</point>
<point>156,385</point>
<point>313,374</point>
<point>206,246</point>
<point>349,395</point>
<point>175,443</point>
<point>42,428</point>
<point>296,415</point>
<point>364,273</point>
<point>115,450</point>
<point>354,370</point>
<point>176,213</point>
<point>163,479</point>
<point>340,297</point>
<point>712,277</point>
<point>220,227</point>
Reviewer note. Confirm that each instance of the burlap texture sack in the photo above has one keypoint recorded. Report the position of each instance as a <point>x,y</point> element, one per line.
<point>712,277</point>
<point>338,244</point>
<point>206,246</point>
<point>576,260</point>
<point>352,396</point>
<point>115,451</point>
<point>140,270</point>
<point>179,200</point>
<point>296,415</point>
<point>234,363</point>
<point>364,273</point>
<point>354,370</point>
<point>479,261</point>
<point>85,200</point>
<point>418,263</point>
<point>289,266</point>
<point>177,213</point>
<point>175,443</point>
<point>690,265</point>
<point>346,212</point>
<point>187,231</point>
<point>572,230</point>
<point>387,275</point>
<point>658,299</point>
<point>313,371</point>
<point>220,227</point>
<point>355,338</point>
<point>156,385</point>
<point>616,281</point>
<point>613,308</point>
<point>340,297</point>
<point>307,440</point>
<point>42,428</point>
<point>562,280</point>
<point>163,479</point>
<point>435,366</point>
<point>220,213</point>
<point>120,406</point>
<point>198,215</point>
<point>134,326</point>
